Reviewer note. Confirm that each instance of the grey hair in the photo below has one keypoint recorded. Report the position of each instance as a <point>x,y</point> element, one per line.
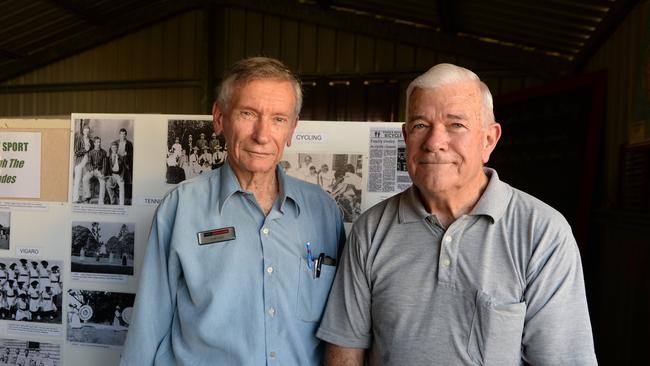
<point>445,74</point>
<point>257,68</point>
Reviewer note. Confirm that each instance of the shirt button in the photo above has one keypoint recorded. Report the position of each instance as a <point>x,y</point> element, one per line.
<point>265,231</point>
<point>272,354</point>
<point>269,269</point>
<point>446,262</point>
<point>448,239</point>
<point>271,312</point>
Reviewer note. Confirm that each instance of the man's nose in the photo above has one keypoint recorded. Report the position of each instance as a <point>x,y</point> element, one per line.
<point>262,131</point>
<point>437,138</point>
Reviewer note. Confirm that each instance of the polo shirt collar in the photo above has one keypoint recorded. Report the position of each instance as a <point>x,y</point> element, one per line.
<point>493,202</point>
<point>495,198</point>
<point>229,185</point>
<point>411,208</point>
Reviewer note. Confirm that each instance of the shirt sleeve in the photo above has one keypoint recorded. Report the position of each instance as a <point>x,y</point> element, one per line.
<point>347,320</point>
<point>155,303</point>
<point>557,330</point>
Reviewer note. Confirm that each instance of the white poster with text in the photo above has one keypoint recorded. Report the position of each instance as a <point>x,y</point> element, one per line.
<point>20,164</point>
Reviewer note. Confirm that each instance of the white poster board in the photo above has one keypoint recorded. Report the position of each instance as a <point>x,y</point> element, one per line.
<point>98,245</point>
<point>20,164</point>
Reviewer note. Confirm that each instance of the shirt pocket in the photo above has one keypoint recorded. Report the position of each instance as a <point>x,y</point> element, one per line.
<point>313,292</point>
<point>496,331</point>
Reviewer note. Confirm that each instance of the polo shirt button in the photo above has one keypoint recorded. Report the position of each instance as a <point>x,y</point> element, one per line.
<point>271,312</point>
<point>265,231</point>
<point>446,262</point>
<point>448,239</point>
<point>269,269</point>
<point>272,354</point>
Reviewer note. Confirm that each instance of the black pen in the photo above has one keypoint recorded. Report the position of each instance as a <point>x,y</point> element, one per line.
<point>319,263</point>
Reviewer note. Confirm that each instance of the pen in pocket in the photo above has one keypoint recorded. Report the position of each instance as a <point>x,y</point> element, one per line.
<point>310,257</point>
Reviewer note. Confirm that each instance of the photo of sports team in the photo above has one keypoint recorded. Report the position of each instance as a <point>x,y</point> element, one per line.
<point>30,290</point>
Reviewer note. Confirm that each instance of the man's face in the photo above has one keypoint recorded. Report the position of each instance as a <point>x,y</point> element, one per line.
<point>98,144</point>
<point>113,149</point>
<point>445,139</point>
<point>258,124</point>
<point>122,135</point>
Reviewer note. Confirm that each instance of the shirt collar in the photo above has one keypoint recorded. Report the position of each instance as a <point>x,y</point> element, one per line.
<point>411,208</point>
<point>495,198</point>
<point>229,185</point>
<point>493,202</point>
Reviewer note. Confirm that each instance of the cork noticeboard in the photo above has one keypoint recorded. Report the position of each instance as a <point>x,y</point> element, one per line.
<point>55,154</point>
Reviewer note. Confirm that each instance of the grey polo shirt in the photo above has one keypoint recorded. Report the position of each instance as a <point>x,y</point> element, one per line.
<point>502,285</point>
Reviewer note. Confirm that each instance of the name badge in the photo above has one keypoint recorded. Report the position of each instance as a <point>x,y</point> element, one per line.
<point>216,235</point>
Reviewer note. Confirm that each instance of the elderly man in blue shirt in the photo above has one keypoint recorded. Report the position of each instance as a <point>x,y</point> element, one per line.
<point>240,260</point>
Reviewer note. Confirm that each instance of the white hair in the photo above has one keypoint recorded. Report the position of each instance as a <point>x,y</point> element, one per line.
<point>445,74</point>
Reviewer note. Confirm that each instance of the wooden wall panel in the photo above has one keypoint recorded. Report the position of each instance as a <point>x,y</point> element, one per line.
<point>307,49</point>
<point>236,35</point>
<point>253,31</point>
<point>272,36</point>
<point>326,51</point>
<point>621,57</point>
<point>345,51</point>
<point>365,54</point>
<point>289,43</point>
<point>424,58</point>
<point>384,56</point>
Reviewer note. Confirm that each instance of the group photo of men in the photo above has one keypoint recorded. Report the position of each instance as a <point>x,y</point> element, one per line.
<point>15,352</point>
<point>103,162</point>
<point>192,149</point>
<point>30,290</point>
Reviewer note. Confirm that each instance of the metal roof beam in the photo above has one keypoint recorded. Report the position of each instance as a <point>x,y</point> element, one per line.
<point>535,63</point>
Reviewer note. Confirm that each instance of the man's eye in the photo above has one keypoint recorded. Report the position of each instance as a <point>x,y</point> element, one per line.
<point>419,126</point>
<point>280,119</point>
<point>457,125</point>
<point>246,114</point>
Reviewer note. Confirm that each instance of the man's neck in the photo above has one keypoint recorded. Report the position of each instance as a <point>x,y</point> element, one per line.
<point>264,186</point>
<point>449,205</point>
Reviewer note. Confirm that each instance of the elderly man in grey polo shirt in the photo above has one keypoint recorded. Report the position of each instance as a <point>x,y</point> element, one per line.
<point>461,268</point>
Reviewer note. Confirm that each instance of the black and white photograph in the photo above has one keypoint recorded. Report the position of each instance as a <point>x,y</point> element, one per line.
<point>5,222</point>
<point>192,148</point>
<point>29,353</point>
<point>30,290</point>
<point>102,247</point>
<point>338,174</point>
<point>103,162</point>
<point>99,317</point>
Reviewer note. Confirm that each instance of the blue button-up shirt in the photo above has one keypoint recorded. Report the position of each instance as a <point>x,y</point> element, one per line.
<point>252,300</point>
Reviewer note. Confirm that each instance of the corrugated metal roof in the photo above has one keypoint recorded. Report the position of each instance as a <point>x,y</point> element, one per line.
<point>37,32</point>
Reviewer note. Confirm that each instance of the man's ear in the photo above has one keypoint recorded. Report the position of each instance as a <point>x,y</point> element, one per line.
<point>492,136</point>
<point>217,118</point>
<point>404,131</point>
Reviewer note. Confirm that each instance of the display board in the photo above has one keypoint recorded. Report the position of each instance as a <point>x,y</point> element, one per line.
<point>71,252</point>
